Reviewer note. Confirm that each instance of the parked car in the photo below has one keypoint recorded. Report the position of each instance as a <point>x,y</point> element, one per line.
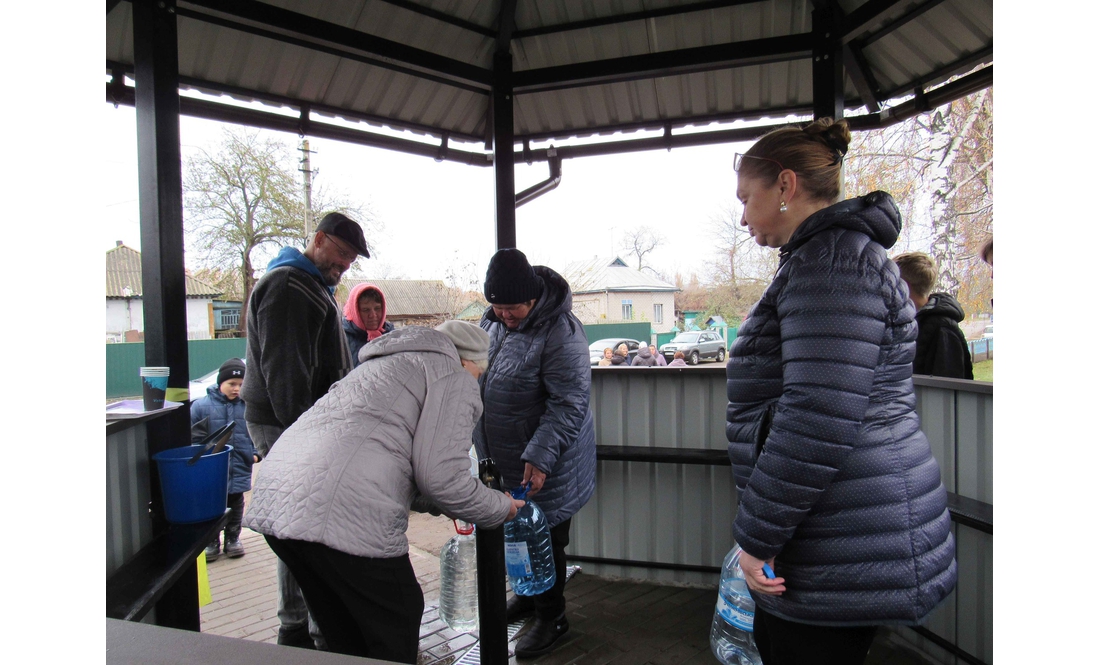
<point>595,349</point>
<point>988,334</point>
<point>197,387</point>
<point>694,345</point>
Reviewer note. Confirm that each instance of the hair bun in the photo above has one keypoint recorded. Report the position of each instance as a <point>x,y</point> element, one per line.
<point>836,134</point>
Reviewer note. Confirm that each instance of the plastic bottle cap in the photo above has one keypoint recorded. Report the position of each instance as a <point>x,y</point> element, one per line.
<point>463,528</point>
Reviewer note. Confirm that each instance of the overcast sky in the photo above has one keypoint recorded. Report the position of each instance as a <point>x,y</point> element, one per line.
<point>439,215</point>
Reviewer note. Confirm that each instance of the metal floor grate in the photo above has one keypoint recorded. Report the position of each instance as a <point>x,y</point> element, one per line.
<point>473,656</point>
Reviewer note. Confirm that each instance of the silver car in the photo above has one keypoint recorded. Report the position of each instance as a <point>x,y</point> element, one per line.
<point>694,345</point>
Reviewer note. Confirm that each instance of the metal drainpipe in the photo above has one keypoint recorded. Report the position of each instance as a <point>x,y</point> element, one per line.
<point>537,190</point>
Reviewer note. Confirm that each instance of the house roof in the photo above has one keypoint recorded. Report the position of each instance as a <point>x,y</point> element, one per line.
<point>600,274</point>
<point>124,272</point>
<point>579,68</point>
<point>472,312</point>
<point>410,297</point>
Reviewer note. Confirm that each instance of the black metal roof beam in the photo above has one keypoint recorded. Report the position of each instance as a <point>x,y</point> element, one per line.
<point>898,22</point>
<point>442,17</point>
<point>969,84</point>
<point>295,103</point>
<point>943,73</point>
<point>506,25</point>
<point>860,20</point>
<point>630,16</point>
<point>318,34</point>
<point>201,108</point>
<point>666,63</point>
<point>660,124</point>
<point>858,70</point>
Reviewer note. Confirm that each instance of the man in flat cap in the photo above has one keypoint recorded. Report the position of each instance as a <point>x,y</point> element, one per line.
<point>537,426</point>
<point>296,350</point>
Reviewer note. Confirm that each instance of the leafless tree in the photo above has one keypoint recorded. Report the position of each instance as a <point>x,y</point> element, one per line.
<point>639,242</point>
<point>244,196</point>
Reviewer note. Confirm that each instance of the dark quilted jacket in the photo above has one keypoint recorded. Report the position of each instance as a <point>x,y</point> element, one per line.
<point>536,394</point>
<point>220,411</point>
<point>836,479</point>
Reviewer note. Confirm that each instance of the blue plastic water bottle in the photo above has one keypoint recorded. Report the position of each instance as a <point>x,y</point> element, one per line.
<point>528,554</point>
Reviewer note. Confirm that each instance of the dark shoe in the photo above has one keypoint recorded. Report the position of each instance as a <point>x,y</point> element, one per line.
<point>295,637</point>
<point>542,637</point>
<point>213,551</point>
<point>519,607</point>
<point>234,549</point>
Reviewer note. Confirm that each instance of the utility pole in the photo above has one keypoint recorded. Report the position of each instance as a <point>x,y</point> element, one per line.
<point>307,189</point>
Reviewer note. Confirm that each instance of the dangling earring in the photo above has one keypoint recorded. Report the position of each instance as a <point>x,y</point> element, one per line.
<point>782,206</point>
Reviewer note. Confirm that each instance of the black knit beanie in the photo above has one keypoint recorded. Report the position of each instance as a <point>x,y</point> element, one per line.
<point>510,279</point>
<point>231,369</point>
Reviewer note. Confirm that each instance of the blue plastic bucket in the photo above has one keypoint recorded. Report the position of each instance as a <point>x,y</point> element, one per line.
<point>194,493</point>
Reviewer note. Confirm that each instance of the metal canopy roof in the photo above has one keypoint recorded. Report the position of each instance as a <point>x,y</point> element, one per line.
<point>579,67</point>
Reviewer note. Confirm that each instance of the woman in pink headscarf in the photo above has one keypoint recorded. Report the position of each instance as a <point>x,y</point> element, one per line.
<point>364,318</point>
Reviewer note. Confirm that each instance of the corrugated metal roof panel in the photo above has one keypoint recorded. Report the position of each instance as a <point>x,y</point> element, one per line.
<point>124,272</point>
<point>939,38</point>
<point>410,297</point>
<point>611,274</point>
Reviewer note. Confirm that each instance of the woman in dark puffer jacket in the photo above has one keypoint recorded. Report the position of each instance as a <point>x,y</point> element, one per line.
<point>838,488</point>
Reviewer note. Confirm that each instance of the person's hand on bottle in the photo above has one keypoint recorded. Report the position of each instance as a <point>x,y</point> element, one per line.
<point>532,475</point>
<point>516,505</point>
<point>755,577</point>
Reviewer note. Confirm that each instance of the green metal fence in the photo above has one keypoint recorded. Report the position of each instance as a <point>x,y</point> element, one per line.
<point>203,355</point>
<point>638,331</point>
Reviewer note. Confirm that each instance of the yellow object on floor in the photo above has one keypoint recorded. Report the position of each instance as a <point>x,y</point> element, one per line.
<point>204,581</point>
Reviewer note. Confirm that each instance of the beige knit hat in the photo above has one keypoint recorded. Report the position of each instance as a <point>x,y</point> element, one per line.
<point>471,341</point>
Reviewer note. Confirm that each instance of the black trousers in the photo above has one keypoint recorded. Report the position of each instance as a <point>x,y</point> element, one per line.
<point>364,607</point>
<point>550,604</point>
<point>783,642</point>
<point>235,503</point>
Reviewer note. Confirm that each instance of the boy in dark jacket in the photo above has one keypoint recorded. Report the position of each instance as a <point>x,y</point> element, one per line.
<point>221,406</point>
<point>941,345</point>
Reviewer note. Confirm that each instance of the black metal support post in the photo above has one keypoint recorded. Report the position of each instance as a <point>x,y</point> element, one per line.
<point>491,592</point>
<point>160,192</point>
<point>504,154</point>
<point>828,61</point>
<point>160,198</point>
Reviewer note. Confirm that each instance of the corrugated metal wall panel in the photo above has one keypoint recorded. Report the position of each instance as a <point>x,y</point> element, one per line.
<point>667,513</point>
<point>129,527</point>
<point>936,407</point>
<point>974,593</point>
<point>974,457</point>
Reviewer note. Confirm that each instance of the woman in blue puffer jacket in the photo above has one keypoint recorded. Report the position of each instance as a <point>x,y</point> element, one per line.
<point>221,406</point>
<point>839,492</point>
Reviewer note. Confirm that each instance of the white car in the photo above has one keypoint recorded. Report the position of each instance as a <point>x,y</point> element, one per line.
<point>988,334</point>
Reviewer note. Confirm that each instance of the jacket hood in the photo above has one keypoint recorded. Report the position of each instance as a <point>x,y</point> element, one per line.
<point>351,308</point>
<point>643,351</point>
<point>289,256</point>
<point>874,214</point>
<point>410,339</point>
<point>943,304</point>
<point>556,299</point>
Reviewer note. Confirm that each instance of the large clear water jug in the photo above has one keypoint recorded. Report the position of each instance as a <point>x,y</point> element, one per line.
<point>528,554</point>
<point>731,639</point>
<point>458,580</point>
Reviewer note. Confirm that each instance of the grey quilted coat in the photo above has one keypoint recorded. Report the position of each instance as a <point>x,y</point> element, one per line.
<point>836,479</point>
<point>346,472</point>
<point>536,394</point>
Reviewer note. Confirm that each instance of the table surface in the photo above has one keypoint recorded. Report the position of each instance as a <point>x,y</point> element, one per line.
<point>132,642</point>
